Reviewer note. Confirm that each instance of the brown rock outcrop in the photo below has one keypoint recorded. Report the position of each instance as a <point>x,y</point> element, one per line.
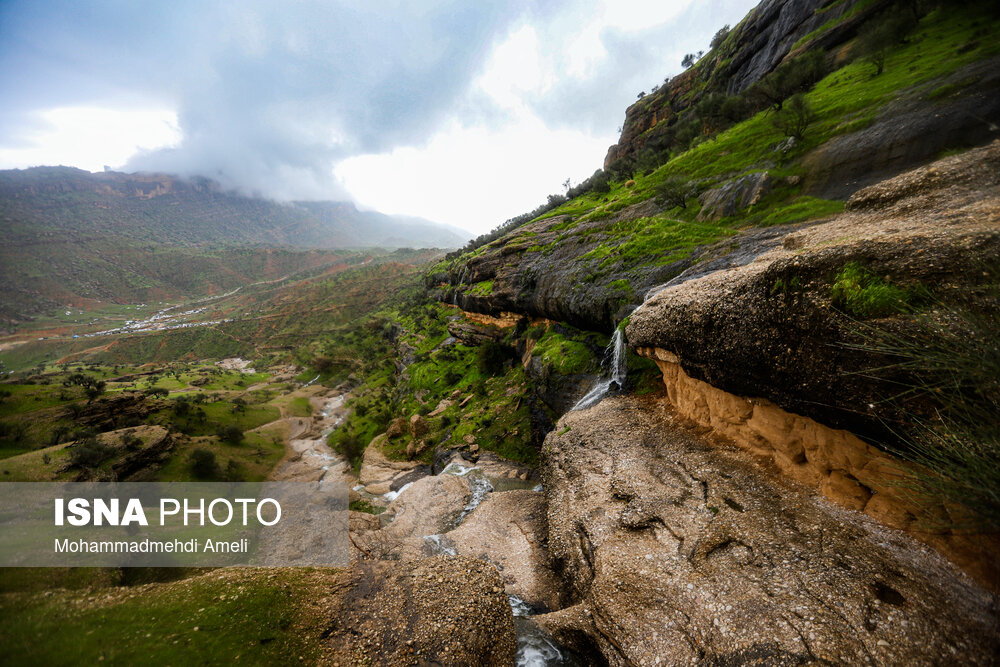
<point>768,328</point>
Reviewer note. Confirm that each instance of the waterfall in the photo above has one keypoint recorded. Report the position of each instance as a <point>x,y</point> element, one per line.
<point>614,356</point>
<point>614,374</point>
<point>461,281</point>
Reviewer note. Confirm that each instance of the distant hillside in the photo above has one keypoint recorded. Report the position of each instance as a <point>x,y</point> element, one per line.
<point>37,203</point>
<point>71,237</point>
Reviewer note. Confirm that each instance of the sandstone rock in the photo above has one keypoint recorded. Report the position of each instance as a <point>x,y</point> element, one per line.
<point>437,611</point>
<point>675,548</point>
<point>418,426</point>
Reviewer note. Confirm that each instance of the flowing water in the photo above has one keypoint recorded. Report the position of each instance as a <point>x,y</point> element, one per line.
<point>534,647</point>
<point>479,485</point>
<point>614,361</point>
<point>615,370</point>
<point>461,281</point>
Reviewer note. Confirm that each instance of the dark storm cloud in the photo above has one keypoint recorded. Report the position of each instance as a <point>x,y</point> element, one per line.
<point>269,94</point>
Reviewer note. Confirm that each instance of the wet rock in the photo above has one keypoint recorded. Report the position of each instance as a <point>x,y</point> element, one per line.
<point>377,472</point>
<point>734,196</point>
<point>428,507</point>
<point>437,611</point>
<point>674,548</point>
<point>508,530</point>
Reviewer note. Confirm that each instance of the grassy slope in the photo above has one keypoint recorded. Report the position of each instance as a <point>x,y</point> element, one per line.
<point>845,101</point>
<point>246,616</point>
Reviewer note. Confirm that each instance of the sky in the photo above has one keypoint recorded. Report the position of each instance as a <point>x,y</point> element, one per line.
<point>462,112</point>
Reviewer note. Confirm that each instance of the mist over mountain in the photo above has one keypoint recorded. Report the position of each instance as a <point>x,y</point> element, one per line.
<point>75,237</point>
<point>161,208</point>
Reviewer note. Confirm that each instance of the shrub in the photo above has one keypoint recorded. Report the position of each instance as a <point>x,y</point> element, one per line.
<point>795,117</point>
<point>88,453</point>
<point>882,33</point>
<point>231,435</point>
<point>203,464</point>
<point>674,191</point>
<point>952,355</point>
<point>491,357</point>
<point>859,292</point>
<point>720,36</point>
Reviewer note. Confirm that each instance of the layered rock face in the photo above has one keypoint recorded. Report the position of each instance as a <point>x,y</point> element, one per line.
<point>676,550</point>
<point>769,329</point>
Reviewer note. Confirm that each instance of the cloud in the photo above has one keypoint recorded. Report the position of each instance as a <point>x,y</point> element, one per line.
<point>316,99</point>
<point>268,95</point>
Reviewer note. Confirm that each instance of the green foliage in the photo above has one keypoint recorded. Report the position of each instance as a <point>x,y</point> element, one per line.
<point>235,616</point>
<point>861,293</point>
<point>674,191</point>
<point>951,356</point>
<point>231,435</point>
<point>491,357</point>
<point>795,76</point>
<point>720,36</point>
<point>204,465</point>
<point>89,453</point>
<point>882,33</point>
<point>795,116</point>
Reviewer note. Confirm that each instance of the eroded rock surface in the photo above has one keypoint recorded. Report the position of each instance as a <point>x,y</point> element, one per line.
<point>508,530</point>
<point>677,551</point>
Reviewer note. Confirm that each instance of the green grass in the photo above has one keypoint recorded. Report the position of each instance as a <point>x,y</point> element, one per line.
<point>242,616</point>
<point>861,293</point>
<point>567,356</point>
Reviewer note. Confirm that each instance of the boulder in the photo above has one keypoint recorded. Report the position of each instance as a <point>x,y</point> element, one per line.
<point>418,426</point>
<point>397,427</point>
<point>673,547</point>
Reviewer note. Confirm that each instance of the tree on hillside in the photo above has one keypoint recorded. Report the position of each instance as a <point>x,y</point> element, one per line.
<point>675,191</point>
<point>795,117</point>
<point>720,36</point>
<point>795,76</point>
<point>687,61</point>
<point>882,33</point>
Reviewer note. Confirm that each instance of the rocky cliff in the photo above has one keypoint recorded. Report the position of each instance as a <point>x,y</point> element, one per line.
<point>771,328</point>
<point>772,32</point>
<point>675,549</point>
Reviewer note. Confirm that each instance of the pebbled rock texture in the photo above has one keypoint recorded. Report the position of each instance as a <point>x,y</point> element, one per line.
<point>436,611</point>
